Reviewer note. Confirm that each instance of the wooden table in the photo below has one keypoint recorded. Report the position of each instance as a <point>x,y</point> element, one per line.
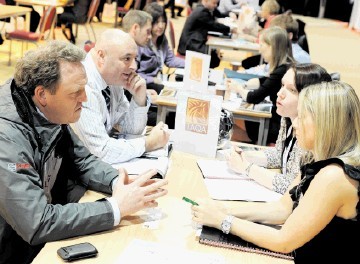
<point>7,11</point>
<point>231,44</point>
<point>44,3</point>
<point>168,104</point>
<point>175,229</point>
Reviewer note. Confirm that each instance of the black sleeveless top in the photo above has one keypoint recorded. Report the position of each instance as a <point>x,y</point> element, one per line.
<point>338,240</point>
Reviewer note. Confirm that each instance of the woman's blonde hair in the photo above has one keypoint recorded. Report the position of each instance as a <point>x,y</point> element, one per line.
<point>280,44</point>
<point>335,109</point>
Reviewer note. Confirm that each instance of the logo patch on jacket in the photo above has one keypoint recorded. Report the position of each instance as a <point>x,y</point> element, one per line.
<point>18,166</point>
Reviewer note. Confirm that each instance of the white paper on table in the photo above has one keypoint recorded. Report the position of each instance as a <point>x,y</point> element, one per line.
<point>239,190</point>
<point>218,169</point>
<point>140,165</point>
<point>141,251</point>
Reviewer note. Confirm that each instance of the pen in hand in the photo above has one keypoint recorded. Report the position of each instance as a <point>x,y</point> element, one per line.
<point>189,201</point>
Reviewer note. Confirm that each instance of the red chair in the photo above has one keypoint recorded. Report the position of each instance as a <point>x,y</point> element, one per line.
<point>94,5</point>
<point>121,11</point>
<point>46,26</point>
<point>171,34</point>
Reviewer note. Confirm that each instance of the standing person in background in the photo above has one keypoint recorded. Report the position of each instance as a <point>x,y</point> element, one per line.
<point>111,68</point>
<point>275,48</point>
<point>286,154</point>
<point>157,54</point>
<point>319,215</point>
<point>195,32</point>
<point>76,13</point>
<point>45,168</point>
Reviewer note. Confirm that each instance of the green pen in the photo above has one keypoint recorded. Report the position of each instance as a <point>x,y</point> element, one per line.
<point>189,201</point>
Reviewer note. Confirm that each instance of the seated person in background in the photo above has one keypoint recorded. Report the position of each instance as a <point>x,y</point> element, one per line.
<point>157,54</point>
<point>287,22</point>
<point>225,6</point>
<point>319,214</point>
<point>269,9</point>
<point>275,47</point>
<point>76,13</point>
<point>286,154</point>
<point>34,16</point>
<point>195,32</point>
<point>45,168</point>
<point>110,67</point>
<point>138,24</point>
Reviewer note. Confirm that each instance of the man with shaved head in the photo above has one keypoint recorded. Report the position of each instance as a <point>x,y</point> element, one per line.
<point>110,67</point>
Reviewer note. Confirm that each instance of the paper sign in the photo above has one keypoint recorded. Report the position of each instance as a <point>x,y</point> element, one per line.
<point>197,123</point>
<point>196,71</point>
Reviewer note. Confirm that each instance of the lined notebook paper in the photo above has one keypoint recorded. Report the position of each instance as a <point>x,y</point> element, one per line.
<point>214,237</point>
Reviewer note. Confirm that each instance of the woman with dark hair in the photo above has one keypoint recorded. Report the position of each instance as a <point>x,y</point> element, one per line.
<point>157,54</point>
<point>275,48</point>
<point>286,154</point>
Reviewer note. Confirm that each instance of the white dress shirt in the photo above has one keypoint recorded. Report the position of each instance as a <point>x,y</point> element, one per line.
<point>96,122</point>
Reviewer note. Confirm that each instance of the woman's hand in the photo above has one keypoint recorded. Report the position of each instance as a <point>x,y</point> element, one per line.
<point>236,160</point>
<point>209,212</point>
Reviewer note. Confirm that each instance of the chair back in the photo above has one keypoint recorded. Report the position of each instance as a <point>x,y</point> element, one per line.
<point>171,34</point>
<point>47,20</point>
<point>92,10</point>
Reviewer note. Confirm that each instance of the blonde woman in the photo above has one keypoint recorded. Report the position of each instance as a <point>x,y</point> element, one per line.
<point>319,214</point>
<point>275,48</point>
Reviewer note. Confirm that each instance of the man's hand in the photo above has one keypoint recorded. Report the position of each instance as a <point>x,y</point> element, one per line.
<point>137,87</point>
<point>152,94</point>
<point>158,137</point>
<point>139,194</point>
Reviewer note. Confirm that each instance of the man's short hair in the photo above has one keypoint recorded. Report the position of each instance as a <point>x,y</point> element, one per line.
<point>41,66</point>
<point>287,22</point>
<point>135,17</point>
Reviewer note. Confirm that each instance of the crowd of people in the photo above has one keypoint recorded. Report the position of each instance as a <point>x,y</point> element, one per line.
<point>65,115</point>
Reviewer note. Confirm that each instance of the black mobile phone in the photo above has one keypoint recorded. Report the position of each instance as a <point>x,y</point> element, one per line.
<point>77,251</point>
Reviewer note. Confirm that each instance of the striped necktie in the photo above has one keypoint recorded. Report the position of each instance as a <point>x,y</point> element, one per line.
<point>106,93</point>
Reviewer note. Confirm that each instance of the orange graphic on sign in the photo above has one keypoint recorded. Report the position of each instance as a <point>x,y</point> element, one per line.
<point>197,115</point>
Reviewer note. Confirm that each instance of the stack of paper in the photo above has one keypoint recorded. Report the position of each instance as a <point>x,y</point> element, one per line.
<point>224,184</point>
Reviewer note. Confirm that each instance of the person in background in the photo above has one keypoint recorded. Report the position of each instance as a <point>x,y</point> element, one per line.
<point>45,168</point>
<point>171,4</point>
<point>269,9</point>
<point>34,15</point>
<point>287,22</point>
<point>225,6</point>
<point>275,48</point>
<point>286,154</point>
<point>138,24</point>
<point>157,54</point>
<point>195,32</point>
<point>75,12</point>
<point>319,215</point>
<point>111,69</point>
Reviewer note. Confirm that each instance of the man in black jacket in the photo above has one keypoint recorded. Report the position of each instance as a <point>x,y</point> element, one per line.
<point>195,31</point>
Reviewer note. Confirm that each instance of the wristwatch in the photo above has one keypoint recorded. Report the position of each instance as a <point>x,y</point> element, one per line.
<point>226,224</point>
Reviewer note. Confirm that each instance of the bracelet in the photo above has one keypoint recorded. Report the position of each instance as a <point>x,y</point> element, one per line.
<point>247,170</point>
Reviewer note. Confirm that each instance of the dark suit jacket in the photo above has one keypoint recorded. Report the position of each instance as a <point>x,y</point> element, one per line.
<point>194,34</point>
